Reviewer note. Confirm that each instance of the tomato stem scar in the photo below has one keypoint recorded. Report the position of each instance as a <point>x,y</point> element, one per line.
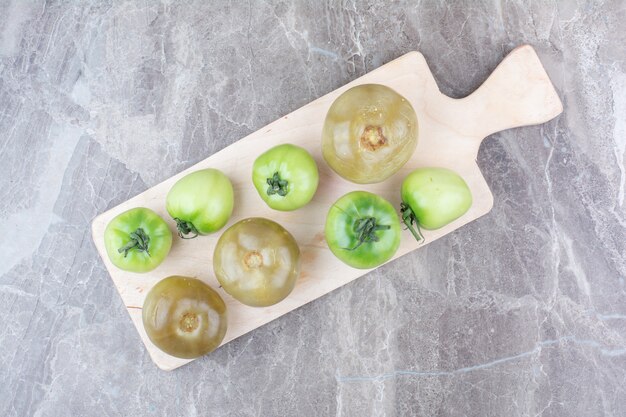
<point>253,259</point>
<point>373,138</point>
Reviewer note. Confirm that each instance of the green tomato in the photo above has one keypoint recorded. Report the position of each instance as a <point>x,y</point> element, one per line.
<point>184,317</point>
<point>432,198</point>
<point>200,202</point>
<point>137,240</point>
<point>286,177</point>
<point>362,229</point>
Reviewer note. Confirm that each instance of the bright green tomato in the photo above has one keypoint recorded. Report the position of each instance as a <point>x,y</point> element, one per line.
<point>184,317</point>
<point>362,229</point>
<point>286,177</point>
<point>200,202</point>
<point>432,198</point>
<point>137,240</point>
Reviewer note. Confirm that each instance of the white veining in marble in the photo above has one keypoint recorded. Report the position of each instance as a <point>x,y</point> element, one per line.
<point>520,313</point>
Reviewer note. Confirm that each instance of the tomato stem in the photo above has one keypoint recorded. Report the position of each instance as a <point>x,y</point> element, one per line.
<point>184,228</point>
<point>138,240</point>
<point>366,228</point>
<point>408,217</point>
<point>277,185</point>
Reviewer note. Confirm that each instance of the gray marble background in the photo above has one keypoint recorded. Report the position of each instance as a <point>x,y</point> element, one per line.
<point>521,313</point>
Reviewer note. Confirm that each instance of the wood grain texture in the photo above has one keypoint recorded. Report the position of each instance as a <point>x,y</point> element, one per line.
<point>518,93</point>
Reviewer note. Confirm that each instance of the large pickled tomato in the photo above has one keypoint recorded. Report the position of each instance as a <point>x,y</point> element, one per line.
<point>369,133</point>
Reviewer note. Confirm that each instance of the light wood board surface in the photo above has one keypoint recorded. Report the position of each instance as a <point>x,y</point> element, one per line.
<point>518,93</point>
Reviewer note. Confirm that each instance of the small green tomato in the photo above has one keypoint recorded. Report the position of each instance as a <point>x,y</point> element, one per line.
<point>200,202</point>
<point>285,177</point>
<point>433,198</point>
<point>137,240</point>
<point>362,229</point>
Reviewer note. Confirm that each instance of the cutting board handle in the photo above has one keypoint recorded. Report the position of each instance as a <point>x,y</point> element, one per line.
<point>517,93</point>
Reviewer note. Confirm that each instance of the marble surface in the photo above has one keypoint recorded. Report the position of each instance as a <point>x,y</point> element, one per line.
<point>520,313</point>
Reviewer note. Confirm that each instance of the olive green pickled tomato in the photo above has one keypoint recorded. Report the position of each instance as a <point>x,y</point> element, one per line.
<point>369,133</point>
<point>433,198</point>
<point>257,261</point>
<point>184,317</point>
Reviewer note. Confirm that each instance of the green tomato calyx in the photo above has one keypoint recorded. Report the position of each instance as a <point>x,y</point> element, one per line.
<point>366,228</point>
<point>277,185</point>
<point>138,240</point>
<point>408,217</point>
<point>185,228</point>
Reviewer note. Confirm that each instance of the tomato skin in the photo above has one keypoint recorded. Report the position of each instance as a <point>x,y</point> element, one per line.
<point>184,317</point>
<point>118,235</point>
<point>341,226</point>
<point>203,199</point>
<point>294,165</point>
<point>436,196</point>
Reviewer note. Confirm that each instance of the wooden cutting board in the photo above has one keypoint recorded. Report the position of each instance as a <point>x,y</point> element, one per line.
<point>518,93</point>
